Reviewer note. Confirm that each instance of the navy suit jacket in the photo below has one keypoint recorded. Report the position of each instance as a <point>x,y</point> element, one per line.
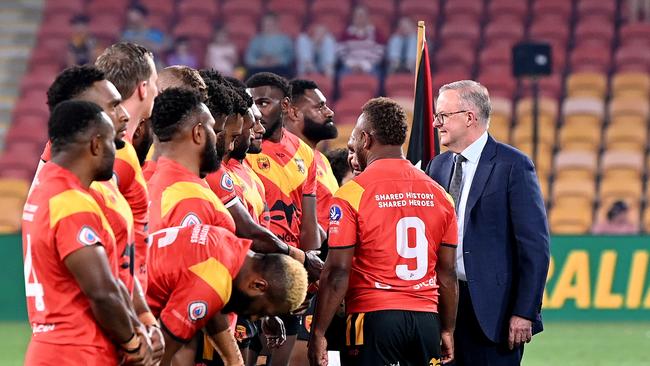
<point>506,238</point>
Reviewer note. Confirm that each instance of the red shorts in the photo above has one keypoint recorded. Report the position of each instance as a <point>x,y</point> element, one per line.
<point>48,354</point>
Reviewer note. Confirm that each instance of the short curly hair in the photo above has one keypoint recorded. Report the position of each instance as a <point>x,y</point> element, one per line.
<point>287,280</point>
<point>219,100</point>
<point>338,159</point>
<point>387,119</point>
<point>125,65</point>
<point>299,87</point>
<point>269,79</point>
<point>212,75</point>
<point>240,88</point>
<point>71,83</point>
<point>170,109</point>
<point>70,119</point>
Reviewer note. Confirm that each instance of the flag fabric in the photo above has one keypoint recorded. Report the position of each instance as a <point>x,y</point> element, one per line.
<point>423,142</point>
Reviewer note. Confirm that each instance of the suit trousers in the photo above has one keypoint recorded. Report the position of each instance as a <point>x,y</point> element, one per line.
<point>472,347</point>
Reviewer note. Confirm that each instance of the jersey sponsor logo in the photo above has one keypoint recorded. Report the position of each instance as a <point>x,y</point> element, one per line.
<point>336,214</point>
<point>197,310</point>
<point>435,362</point>
<point>381,286</point>
<point>227,183</point>
<point>87,236</point>
<point>263,163</point>
<point>288,211</point>
<point>301,165</point>
<point>190,219</point>
<point>42,328</point>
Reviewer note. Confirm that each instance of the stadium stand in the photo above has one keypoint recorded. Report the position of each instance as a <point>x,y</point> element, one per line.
<point>593,113</point>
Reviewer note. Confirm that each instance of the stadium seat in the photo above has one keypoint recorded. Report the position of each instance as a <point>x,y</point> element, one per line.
<point>617,189</point>
<point>499,34</point>
<point>204,8</point>
<point>420,10</point>
<point>63,7</point>
<point>383,8</point>
<point>440,79</point>
<point>558,11</point>
<point>586,84</point>
<point>159,7</point>
<point>550,87</point>
<point>194,28</point>
<point>603,10</point>
<point>359,84</point>
<point>240,36</point>
<point>581,135</point>
<point>495,56</point>
<point>571,216</point>
<point>463,11</point>
<point>11,214</point>
<point>235,11</point>
<point>547,116</point>
<point>341,141</point>
<point>575,187</point>
<point>290,24</point>
<point>500,119</point>
<point>584,110</point>
<point>632,59</point>
<point>348,109</point>
<point>284,7</point>
<point>399,85</point>
<point>334,22</point>
<point>633,109</point>
<point>589,58</point>
<point>107,27</point>
<point>631,84</point>
<point>453,57</point>
<point>461,33</point>
<point>523,134</point>
<point>632,206</point>
<point>498,84</point>
<point>544,160</point>
<point>593,34</point>
<point>575,164</point>
<point>14,187</point>
<point>507,11</point>
<point>549,30</point>
<point>637,34</point>
<point>622,165</point>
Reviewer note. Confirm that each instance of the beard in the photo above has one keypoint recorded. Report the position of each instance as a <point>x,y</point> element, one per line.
<point>242,145</point>
<point>319,132</point>
<point>119,144</point>
<point>271,128</point>
<point>105,171</point>
<point>142,149</point>
<point>210,159</point>
<point>239,302</point>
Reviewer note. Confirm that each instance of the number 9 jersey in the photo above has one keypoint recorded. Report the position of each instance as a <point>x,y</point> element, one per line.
<point>396,218</point>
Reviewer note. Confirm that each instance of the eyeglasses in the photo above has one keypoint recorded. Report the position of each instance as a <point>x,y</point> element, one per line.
<point>440,117</point>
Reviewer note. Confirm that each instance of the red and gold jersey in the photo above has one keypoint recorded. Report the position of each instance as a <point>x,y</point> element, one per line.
<point>326,186</point>
<point>148,169</point>
<point>60,217</point>
<point>118,213</point>
<point>191,273</point>
<point>288,172</point>
<point>180,198</point>
<point>222,185</point>
<point>396,218</point>
<point>250,190</point>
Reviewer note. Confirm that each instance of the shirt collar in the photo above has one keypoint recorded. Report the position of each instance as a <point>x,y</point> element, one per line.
<point>473,152</point>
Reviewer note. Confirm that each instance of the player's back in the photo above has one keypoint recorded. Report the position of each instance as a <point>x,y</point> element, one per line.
<point>60,217</point>
<point>397,218</point>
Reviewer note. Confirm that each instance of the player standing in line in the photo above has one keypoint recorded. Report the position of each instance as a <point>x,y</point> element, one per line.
<point>287,169</point>
<point>131,69</point>
<point>203,271</point>
<point>392,241</point>
<point>75,304</point>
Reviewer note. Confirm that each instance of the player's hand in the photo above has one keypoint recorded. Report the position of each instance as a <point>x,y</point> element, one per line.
<point>157,344</point>
<point>317,351</point>
<point>519,332</point>
<point>274,330</point>
<point>141,356</point>
<point>313,264</point>
<point>447,347</point>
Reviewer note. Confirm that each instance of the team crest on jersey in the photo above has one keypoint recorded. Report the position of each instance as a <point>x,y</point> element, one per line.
<point>434,362</point>
<point>240,333</point>
<point>263,163</point>
<point>226,183</point>
<point>335,214</point>
<point>87,236</point>
<point>190,219</point>
<point>197,310</point>
<point>301,165</point>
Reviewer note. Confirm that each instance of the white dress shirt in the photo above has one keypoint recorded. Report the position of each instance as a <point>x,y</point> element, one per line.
<point>472,153</point>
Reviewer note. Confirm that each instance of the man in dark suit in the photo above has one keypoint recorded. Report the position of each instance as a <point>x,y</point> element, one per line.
<point>503,244</point>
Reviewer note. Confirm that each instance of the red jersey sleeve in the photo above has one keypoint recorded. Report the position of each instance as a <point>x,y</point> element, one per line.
<point>223,186</point>
<point>192,211</point>
<point>343,230</point>
<point>46,155</point>
<point>450,237</point>
<point>309,186</point>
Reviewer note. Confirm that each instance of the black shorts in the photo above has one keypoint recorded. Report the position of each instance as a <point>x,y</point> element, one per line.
<point>206,355</point>
<point>291,325</point>
<point>393,337</point>
<point>335,332</point>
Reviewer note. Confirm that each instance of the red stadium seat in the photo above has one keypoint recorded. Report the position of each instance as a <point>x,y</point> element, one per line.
<point>160,22</point>
<point>498,33</point>
<point>453,56</point>
<point>290,24</point>
<point>635,34</point>
<point>348,110</point>
<point>440,79</point>
<point>419,10</point>
<point>547,29</point>
<point>549,87</point>
<point>594,34</point>
<point>65,7</point>
<point>557,10</point>
<point>340,9</point>
<point>281,7</point>
<point>333,22</point>
<point>466,34</point>
<point>242,9</point>
<point>605,10</point>
<point>240,36</point>
<point>107,27</point>
<point>589,58</point>
<point>159,7</point>
<point>507,11</point>
<point>325,85</point>
<point>25,107</point>
<point>359,83</point>
<point>382,7</point>
<point>195,28</point>
<point>632,58</point>
<point>495,58</point>
<point>464,11</point>
<point>399,85</point>
<point>498,84</point>
<point>102,7</point>
<point>204,8</point>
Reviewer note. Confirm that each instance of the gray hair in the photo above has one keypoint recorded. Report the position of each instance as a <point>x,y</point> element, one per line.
<point>474,96</point>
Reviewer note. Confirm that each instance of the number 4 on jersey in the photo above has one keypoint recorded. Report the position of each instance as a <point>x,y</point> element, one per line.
<point>32,289</point>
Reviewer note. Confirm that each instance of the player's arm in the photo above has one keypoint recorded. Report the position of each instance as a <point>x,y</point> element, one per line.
<point>90,268</point>
<point>332,289</point>
<point>309,234</point>
<point>223,340</point>
<point>448,299</point>
<point>148,321</point>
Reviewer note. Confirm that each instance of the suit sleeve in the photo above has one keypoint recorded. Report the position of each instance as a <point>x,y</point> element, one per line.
<point>530,227</point>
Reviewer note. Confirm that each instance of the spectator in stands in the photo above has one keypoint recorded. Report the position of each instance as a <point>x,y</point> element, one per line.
<point>618,221</point>
<point>182,54</point>
<point>402,47</point>
<point>138,30</point>
<point>339,161</point>
<point>636,8</point>
<point>222,53</point>
<point>81,49</point>
<point>316,51</point>
<point>270,50</point>
<point>361,47</point>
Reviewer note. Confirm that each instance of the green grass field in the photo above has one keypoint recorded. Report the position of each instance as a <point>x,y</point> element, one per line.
<point>565,344</point>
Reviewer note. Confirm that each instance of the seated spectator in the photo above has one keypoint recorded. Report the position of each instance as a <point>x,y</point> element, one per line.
<point>270,50</point>
<point>182,54</point>
<point>618,221</point>
<point>81,49</point>
<point>402,47</point>
<point>316,51</point>
<point>222,54</point>
<point>361,47</point>
<point>338,159</point>
<point>138,30</point>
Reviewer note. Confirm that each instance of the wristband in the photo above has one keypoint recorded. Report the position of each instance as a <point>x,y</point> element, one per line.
<point>132,345</point>
<point>148,319</point>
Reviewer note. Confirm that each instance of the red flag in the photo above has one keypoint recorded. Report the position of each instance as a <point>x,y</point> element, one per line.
<point>423,143</point>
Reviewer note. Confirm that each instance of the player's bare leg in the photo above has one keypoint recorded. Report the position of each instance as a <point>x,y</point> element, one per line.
<point>299,354</point>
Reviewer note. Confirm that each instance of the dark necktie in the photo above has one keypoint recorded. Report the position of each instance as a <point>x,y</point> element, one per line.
<point>457,179</point>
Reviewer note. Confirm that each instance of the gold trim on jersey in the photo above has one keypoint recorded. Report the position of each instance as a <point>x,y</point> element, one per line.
<point>351,192</point>
<point>216,275</point>
<point>354,329</point>
<point>74,201</point>
<point>179,191</point>
<point>115,201</point>
<point>128,154</point>
<point>326,176</point>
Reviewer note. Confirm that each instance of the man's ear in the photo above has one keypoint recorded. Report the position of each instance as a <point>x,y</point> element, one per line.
<point>258,286</point>
<point>293,114</point>
<point>198,133</point>
<point>142,90</point>
<point>96,145</point>
<point>140,130</point>
<point>285,104</point>
<point>367,140</point>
